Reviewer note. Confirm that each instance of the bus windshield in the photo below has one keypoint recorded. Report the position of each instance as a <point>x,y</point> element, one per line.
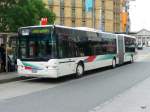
<point>37,47</point>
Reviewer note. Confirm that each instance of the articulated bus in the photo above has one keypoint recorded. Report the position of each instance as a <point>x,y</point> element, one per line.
<point>54,51</point>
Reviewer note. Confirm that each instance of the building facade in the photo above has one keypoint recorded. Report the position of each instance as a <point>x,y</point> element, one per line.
<point>98,14</point>
<point>110,15</point>
<point>125,16</point>
<point>143,37</point>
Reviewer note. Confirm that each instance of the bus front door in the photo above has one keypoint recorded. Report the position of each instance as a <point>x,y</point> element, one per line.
<point>66,66</point>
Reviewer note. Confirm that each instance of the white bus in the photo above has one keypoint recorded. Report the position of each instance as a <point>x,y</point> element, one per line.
<point>54,51</point>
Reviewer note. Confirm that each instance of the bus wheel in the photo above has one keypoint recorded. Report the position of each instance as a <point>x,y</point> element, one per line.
<point>79,70</point>
<point>113,63</point>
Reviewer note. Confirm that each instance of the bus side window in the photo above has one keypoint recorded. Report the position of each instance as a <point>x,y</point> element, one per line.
<point>73,50</point>
<point>63,46</point>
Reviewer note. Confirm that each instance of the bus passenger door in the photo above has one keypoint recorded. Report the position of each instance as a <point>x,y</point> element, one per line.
<point>65,61</point>
<point>121,49</point>
<point>64,67</point>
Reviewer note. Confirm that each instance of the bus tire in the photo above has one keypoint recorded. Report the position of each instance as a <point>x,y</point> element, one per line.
<point>79,70</point>
<point>114,63</point>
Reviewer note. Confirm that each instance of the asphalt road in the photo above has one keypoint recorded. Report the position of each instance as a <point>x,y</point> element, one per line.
<point>75,95</point>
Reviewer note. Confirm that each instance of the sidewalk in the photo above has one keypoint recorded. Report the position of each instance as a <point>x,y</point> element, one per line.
<point>8,77</point>
<point>136,99</point>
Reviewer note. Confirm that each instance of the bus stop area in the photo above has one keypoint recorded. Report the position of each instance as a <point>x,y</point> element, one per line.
<point>8,57</point>
<point>8,52</point>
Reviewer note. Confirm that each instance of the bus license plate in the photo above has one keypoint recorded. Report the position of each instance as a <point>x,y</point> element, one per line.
<point>34,71</point>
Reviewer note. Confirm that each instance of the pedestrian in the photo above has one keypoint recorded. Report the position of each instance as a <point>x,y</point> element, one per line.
<point>2,57</point>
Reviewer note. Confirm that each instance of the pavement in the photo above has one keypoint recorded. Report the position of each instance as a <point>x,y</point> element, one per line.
<point>135,99</point>
<point>9,77</point>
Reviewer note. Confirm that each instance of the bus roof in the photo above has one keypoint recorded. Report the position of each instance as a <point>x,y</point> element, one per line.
<point>67,27</point>
<point>60,26</point>
<point>127,35</point>
<point>38,26</point>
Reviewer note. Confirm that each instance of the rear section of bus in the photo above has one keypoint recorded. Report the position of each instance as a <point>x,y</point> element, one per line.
<point>126,45</point>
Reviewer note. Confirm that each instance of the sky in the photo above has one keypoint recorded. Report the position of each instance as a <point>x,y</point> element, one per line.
<point>140,15</point>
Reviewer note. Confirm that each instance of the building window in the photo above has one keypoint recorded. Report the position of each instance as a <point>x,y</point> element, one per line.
<point>73,22</point>
<point>61,3</point>
<point>83,13</point>
<point>73,3</point>
<point>62,20</point>
<point>50,2</point>
<point>83,23</point>
<point>73,12</point>
<point>62,12</point>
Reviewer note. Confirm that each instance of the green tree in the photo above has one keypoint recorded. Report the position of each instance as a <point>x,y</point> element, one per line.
<point>19,13</point>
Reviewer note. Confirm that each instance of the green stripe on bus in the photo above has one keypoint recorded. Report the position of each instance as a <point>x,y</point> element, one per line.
<point>105,57</point>
<point>29,64</point>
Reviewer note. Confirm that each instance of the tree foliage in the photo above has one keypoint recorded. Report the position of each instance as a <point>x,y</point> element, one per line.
<point>19,13</point>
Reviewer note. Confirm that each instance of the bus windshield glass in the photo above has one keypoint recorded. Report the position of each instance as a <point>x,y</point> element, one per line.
<point>39,45</point>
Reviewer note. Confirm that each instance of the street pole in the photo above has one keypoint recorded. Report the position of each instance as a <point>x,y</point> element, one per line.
<point>6,66</point>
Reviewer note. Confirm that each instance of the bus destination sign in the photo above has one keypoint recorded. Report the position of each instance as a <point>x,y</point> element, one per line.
<point>40,31</point>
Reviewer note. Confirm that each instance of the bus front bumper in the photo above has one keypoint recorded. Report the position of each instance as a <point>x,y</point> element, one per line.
<point>49,73</point>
